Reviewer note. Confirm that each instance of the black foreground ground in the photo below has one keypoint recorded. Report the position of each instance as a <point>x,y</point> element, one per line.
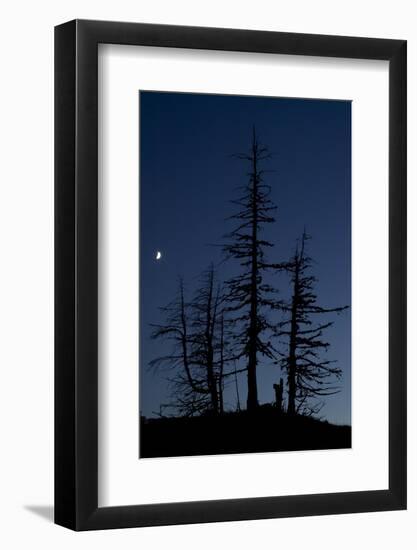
<point>265,430</point>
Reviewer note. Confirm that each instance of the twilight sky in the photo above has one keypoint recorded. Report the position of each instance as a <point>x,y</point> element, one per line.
<point>188,176</point>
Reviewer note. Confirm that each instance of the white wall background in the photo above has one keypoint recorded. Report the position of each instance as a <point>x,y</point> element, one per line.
<point>26,288</point>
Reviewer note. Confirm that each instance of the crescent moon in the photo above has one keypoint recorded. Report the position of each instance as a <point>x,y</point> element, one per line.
<point>158,255</point>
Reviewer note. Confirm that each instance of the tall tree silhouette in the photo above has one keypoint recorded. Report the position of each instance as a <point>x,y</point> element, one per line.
<point>248,294</point>
<point>309,376</point>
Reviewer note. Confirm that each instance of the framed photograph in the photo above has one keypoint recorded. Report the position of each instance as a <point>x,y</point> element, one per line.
<point>230,252</point>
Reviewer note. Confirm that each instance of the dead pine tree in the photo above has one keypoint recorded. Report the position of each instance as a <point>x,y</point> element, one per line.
<point>310,377</point>
<point>189,388</point>
<point>211,354</point>
<point>248,295</point>
<point>198,359</point>
<point>207,347</point>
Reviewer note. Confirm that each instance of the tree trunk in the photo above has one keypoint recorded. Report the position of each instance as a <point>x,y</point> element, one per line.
<point>252,402</point>
<point>221,369</point>
<point>292,366</point>
<point>211,380</point>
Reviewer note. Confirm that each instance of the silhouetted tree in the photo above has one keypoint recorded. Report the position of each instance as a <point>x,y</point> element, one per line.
<point>198,359</point>
<point>309,375</point>
<point>206,349</point>
<point>248,295</point>
<point>190,394</point>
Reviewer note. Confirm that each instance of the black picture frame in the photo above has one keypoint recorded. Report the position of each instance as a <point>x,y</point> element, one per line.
<point>76,272</point>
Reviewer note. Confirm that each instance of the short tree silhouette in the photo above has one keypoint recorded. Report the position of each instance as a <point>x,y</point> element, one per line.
<point>309,375</point>
<point>190,393</point>
<point>197,363</point>
<point>207,347</point>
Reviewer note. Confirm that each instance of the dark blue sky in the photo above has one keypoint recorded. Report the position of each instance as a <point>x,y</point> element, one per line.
<point>188,176</point>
